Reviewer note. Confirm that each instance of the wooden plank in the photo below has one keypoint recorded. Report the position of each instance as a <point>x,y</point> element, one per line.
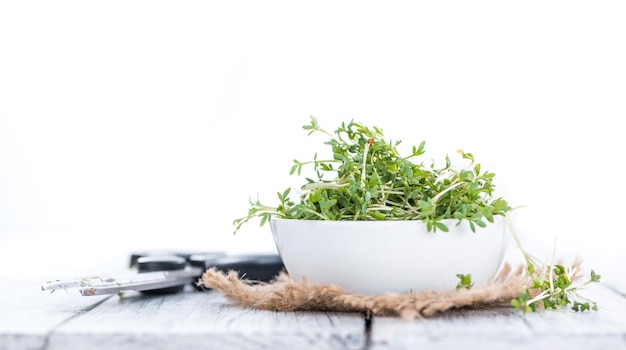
<point>28,315</point>
<point>204,320</point>
<point>505,329</point>
<point>471,328</point>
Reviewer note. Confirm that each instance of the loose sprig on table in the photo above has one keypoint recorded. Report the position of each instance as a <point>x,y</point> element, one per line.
<point>553,285</point>
<point>367,179</point>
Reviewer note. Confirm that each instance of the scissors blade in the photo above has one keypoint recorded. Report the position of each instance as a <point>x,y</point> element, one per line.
<point>97,285</point>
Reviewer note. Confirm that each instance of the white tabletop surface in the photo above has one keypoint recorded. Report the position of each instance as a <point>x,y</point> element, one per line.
<point>32,319</point>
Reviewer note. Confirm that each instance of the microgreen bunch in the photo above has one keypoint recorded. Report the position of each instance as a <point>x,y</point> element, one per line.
<point>553,285</point>
<point>368,179</point>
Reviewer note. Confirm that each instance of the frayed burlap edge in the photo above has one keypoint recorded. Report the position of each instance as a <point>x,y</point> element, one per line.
<point>284,294</point>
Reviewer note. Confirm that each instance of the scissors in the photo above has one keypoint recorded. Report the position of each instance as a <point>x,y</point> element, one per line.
<point>170,272</point>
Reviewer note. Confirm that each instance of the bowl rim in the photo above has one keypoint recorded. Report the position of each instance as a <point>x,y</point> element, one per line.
<point>379,222</point>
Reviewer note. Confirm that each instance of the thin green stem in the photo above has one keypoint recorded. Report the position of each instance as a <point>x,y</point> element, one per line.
<point>364,166</point>
<point>446,190</point>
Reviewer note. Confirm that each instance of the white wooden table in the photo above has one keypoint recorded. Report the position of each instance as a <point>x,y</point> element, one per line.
<point>32,319</point>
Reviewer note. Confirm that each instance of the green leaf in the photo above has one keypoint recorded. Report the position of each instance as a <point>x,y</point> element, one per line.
<point>465,281</point>
<point>479,222</point>
<point>558,270</point>
<point>595,277</point>
<point>294,168</point>
<point>441,226</point>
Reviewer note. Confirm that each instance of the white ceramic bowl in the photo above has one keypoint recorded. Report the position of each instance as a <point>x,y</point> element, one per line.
<point>375,257</point>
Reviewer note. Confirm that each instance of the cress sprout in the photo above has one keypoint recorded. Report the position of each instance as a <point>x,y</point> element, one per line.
<point>368,179</point>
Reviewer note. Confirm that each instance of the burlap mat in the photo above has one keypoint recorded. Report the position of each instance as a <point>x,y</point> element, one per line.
<point>285,294</point>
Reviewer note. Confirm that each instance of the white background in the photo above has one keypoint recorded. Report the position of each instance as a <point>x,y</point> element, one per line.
<point>131,125</point>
